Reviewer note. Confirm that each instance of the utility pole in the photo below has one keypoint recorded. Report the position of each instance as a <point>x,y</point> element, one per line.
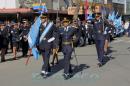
<point>125,6</point>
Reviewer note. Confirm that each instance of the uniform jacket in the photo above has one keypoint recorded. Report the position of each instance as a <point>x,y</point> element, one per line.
<point>4,38</point>
<point>15,35</point>
<point>66,35</point>
<point>99,30</point>
<point>45,45</point>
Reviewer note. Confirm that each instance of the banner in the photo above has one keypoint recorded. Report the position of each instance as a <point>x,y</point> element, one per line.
<point>72,10</point>
<point>41,8</point>
<point>86,9</point>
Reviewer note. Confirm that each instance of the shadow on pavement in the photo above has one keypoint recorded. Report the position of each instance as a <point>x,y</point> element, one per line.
<point>58,67</point>
<point>80,68</point>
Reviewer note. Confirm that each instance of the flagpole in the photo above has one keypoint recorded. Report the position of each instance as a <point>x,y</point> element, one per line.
<point>86,9</point>
<point>102,9</point>
<point>40,5</point>
<point>40,1</point>
<point>58,9</point>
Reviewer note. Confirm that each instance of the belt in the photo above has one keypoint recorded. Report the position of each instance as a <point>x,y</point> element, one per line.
<point>67,43</point>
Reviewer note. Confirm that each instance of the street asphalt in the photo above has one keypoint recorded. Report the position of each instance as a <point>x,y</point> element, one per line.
<point>115,72</point>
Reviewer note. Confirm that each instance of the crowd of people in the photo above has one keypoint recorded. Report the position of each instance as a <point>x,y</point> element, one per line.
<point>67,35</point>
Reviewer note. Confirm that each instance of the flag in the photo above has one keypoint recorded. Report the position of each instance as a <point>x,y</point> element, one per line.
<point>112,17</point>
<point>43,9</point>
<point>118,22</point>
<point>116,15</point>
<point>109,16</point>
<point>35,53</point>
<point>86,9</point>
<point>33,33</point>
<point>33,36</point>
<point>46,31</point>
<point>89,17</point>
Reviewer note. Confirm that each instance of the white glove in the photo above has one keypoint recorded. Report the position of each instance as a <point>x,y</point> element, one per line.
<point>51,39</point>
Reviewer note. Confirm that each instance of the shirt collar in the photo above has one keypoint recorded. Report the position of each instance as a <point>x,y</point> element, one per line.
<point>45,24</point>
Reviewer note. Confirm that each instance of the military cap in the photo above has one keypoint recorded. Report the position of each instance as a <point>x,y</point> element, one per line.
<point>65,20</point>
<point>24,20</point>
<point>44,15</point>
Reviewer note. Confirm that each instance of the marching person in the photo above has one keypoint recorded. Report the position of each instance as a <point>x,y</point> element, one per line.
<point>24,41</point>
<point>83,29</point>
<point>99,38</point>
<point>108,30</point>
<point>107,37</point>
<point>89,27</point>
<point>56,45</point>
<point>127,28</point>
<point>46,46</point>
<point>66,33</point>
<point>15,39</point>
<point>3,41</point>
<point>78,33</point>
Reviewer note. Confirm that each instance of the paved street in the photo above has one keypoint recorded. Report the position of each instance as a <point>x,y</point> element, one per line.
<point>116,72</point>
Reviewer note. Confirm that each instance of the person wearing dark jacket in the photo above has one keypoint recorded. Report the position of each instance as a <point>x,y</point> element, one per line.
<point>15,39</point>
<point>24,40</point>
<point>66,34</point>
<point>46,45</point>
<point>56,45</point>
<point>99,38</point>
<point>3,41</point>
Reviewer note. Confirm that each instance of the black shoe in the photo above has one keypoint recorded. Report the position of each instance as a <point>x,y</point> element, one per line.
<point>44,75</point>
<point>100,64</point>
<point>52,63</point>
<point>67,76</point>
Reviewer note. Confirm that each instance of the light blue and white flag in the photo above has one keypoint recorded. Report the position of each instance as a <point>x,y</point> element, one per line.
<point>34,32</point>
<point>33,37</point>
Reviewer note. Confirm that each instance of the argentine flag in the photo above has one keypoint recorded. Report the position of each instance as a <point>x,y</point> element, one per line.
<point>33,37</point>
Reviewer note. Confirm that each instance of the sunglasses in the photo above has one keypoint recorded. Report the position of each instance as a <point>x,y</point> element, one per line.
<point>65,21</point>
<point>43,17</point>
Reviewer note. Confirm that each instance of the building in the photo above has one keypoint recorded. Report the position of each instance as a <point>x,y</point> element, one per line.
<point>119,6</point>
<point>22,8</point>
<point>5,4</point>
<point>127,12</point>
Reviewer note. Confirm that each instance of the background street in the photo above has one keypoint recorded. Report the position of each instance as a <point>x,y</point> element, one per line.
<point>116,72</point>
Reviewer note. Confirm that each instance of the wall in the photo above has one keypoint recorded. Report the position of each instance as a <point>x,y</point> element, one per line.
<point>8,4</point>
<point>127,7</point>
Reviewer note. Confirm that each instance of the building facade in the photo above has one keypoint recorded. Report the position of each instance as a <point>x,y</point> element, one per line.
<point>127,7</point>
<point>5,4</point>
